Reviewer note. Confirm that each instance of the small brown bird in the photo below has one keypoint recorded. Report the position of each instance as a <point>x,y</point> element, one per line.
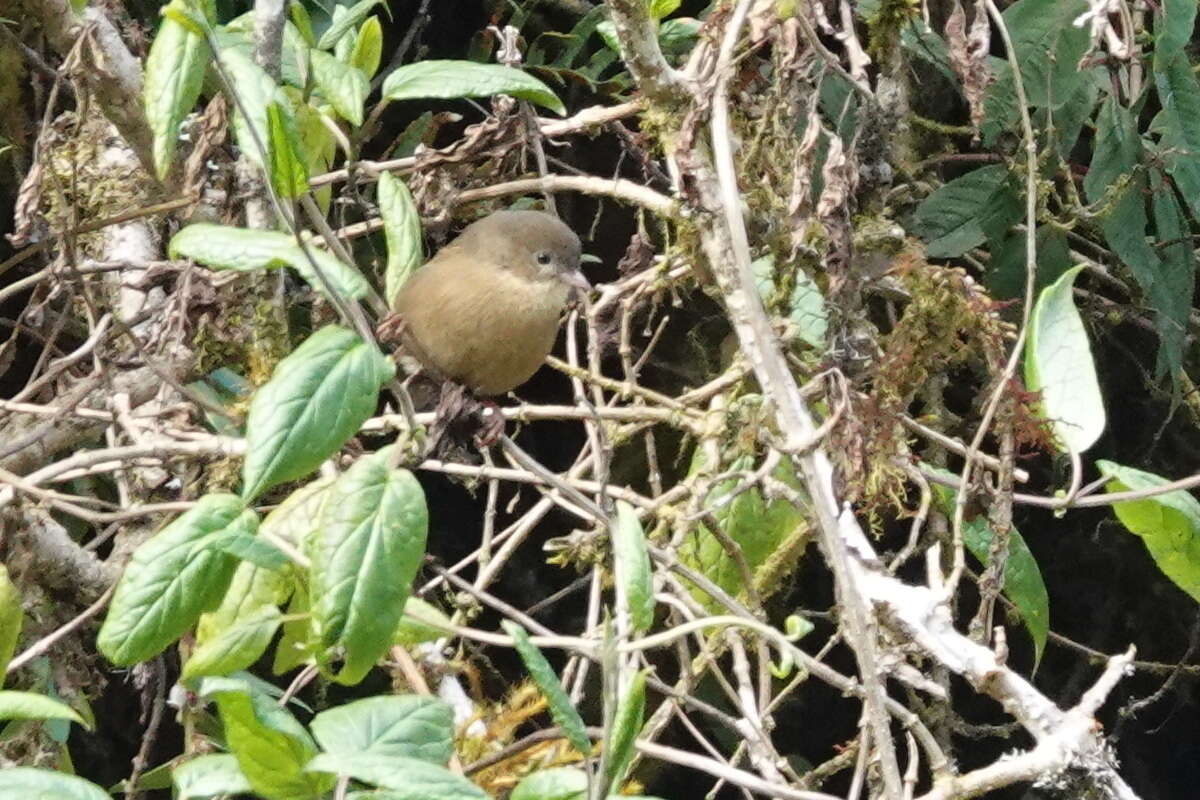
<point>484,311</point>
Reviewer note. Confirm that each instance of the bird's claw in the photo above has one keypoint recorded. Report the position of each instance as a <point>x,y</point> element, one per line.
<point>493,425</point>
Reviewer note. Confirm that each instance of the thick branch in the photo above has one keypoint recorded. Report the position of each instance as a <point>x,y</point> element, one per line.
<point>637,34</point>
<point>113,75</point>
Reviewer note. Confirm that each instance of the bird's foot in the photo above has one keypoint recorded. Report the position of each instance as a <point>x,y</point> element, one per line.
<point>493,424</point>
<point>391,328</point>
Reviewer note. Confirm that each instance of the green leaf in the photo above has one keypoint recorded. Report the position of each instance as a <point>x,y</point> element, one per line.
<point>303,22</point>
<point>457,79</point>
<point>556,783</point>
<point>254,593</point>
<point>421,622</point>
<point>245,249</point>
<point>1058,363</point>
<point>1117,151</point>
<point>663,8</point>
<point>255,92</point>
<point>1117,179</point>
<point>270,746</point>
<point>1047,47</point>
<point>370,542</point>
<point>608,34</point>
<point>343,85</point>
<point>627,724</point>
<point>677,36</point>
<point>169,581</point>
<point>354,15</point>
<point>288,173</point>
<point>968,210</point>
<point>406,725</point>
<point>235,647</point>
<point>1179,91</point>
<point>1173,28</point>
<point>1176,280</point>
<point>402,230</point>
<point>252,549</point>
<point>209,775</point>
<point>316,400</point>
<point>631,564</point>
<point>808,311</point>
<point>368,48</point>
<point>29,783</point>
<point>295,645</point>
<point>1023,583</point>
<point>295,519</point>
<point>155,778</point>
<point>1006,273</point>
<point>174,76</point>
<point>31,705</point>
<point>227,247</point>
<point>562,710</point>
<point>11,618</point>
<point>405,778</point>
<point>1168,524</point>
<point>771,533</point>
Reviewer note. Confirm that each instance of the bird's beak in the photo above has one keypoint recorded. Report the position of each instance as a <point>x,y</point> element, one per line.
<point>576,280</point>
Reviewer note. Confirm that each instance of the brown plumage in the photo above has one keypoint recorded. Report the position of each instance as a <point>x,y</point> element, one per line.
<point>485,310</point>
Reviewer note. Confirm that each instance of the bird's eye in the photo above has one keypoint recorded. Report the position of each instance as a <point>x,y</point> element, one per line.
<point>543,258</point>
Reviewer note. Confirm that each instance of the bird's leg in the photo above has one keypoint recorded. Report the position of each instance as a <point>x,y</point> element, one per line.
<point>493,424</point>
<point>390,329</point>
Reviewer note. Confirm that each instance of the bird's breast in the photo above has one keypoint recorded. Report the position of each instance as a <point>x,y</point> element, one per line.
<point>488,328</point>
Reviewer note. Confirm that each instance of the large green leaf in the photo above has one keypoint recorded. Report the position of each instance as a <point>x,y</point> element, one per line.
<point>270,746</point>
<point>316,399</point>
<point>561,708</point>
<point>967,211</point>
<point>457,79</point>
<point>245,249</point>
<point>342,85</point>
<point>406,725</point>
<point>11,617</point>
<point>1173,28</point>
<point>1023,583</point>
<point>171,579</point>
<point>402,229</point>
<point>404,778</point>
<point>31,705</point>
<point>1168,524</point>
<point>208,776</point>
<point>367,550</point>
<point>174,77</point>
<point>1048,48</point>
<point>631,563</point>
<point>1116,162</point>
<point>1058,363</point>
<point>29,783</point>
